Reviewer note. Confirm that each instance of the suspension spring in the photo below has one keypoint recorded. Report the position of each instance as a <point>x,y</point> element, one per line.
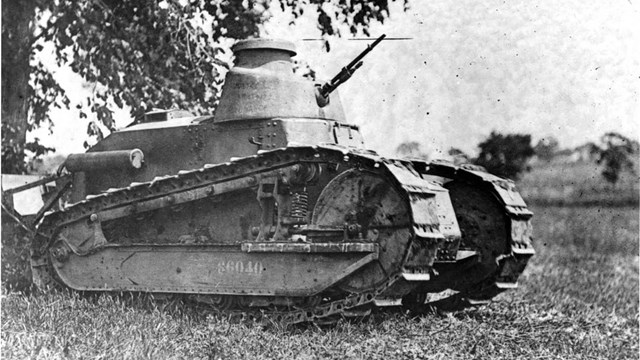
<point>299,204</point>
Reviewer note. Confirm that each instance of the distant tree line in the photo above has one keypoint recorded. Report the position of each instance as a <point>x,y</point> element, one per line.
<point>509,155</point>
<point>503,155</point>
<point>614,152</point>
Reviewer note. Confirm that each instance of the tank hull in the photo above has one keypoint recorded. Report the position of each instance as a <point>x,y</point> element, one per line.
<point>371,228</point>
<point>273,206</point>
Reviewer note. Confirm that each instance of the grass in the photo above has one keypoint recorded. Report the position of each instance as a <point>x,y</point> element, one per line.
<point>578,183</point>
<point>578,299</point>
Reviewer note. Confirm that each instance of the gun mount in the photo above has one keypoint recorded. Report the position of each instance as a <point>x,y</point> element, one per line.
<point>324,90</point>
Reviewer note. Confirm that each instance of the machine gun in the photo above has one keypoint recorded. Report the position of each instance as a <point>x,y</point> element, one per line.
<point>344,74</point>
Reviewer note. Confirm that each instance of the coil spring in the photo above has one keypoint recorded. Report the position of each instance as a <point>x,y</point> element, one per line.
<point>299,204</point>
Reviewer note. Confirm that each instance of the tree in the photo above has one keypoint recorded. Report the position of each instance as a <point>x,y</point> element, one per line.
<point>614,154</point>
<point>411,149</point>
<point>546,148</point>
<point>505,155</point>
<point>138,53</point>
<point>459,157</point>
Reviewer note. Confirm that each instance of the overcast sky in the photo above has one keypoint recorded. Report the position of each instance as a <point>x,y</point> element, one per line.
<point>568,69</point>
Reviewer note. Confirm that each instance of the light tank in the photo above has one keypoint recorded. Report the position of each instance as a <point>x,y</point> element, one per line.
<point>275,205</point>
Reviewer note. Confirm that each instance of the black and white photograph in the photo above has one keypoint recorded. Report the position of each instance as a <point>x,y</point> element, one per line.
<point>308,179</point>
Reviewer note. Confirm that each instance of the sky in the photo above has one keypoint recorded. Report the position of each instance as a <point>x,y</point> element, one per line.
<point>567,69</point>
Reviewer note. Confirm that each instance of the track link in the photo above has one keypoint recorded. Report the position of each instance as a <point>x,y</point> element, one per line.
<point>402,172</point>
<point>512,262</point>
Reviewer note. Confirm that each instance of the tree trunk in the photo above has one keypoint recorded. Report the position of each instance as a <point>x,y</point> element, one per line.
<point>17,35</point>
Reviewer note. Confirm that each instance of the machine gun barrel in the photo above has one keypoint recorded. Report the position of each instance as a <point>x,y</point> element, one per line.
<point>346,72</point>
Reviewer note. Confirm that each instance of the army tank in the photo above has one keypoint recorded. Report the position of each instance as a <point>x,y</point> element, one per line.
<point>274,204</point>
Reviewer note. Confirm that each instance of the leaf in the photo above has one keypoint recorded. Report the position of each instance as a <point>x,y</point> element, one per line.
<point>141,55</point>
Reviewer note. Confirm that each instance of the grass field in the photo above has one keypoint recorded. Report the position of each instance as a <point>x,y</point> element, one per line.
<point>578,183</point>
<point>578,299</point>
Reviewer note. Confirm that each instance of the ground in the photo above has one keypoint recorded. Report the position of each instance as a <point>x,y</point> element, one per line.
<point>577,299</point>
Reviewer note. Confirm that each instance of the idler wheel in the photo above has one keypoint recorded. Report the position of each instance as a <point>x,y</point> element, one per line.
<point>370,209</point>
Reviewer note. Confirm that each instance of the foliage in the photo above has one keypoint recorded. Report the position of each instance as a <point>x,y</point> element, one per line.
<point>459,156</point>
<point>411,149</point>
<point>16,268</point>
<point>546,148</point>
<point>615,154</point>
<point>136,54</point>
<point>577,299</point>
<point>505,155</point>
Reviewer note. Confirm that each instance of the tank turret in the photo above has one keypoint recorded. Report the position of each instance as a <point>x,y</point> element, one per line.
<point>262,85</point>
<point>263,105</point>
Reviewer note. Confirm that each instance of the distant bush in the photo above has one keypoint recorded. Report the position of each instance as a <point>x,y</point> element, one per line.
<point>458,156</point>
<point>411,149</point>
<point>505,155</point>
<point>615,154</point>
<point>546,148</point>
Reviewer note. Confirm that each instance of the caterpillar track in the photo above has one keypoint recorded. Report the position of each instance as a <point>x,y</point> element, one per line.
<point>74,250</point>
<point>285,216</point>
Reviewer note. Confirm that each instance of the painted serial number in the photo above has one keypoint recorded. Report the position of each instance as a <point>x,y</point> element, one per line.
<point>240,267</point>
